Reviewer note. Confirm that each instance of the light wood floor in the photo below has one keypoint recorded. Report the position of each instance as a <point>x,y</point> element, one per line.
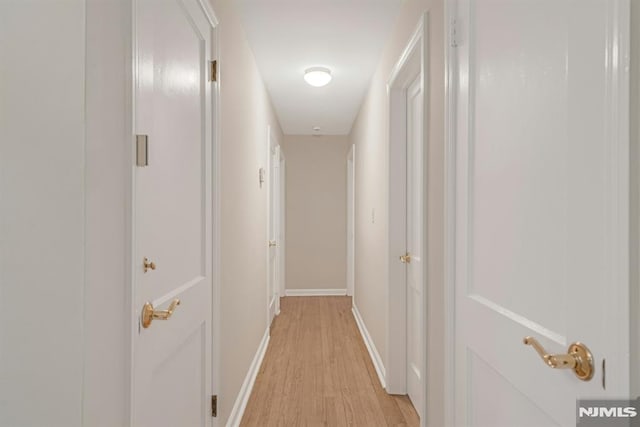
<point>317,372</point>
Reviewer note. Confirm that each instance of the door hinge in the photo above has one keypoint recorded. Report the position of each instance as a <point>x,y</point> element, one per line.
<point>453,35</point>
<point>214,406</point>
<point>213,73</point>
<point>142,150</point>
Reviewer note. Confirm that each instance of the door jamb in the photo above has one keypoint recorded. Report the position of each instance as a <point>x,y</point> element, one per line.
<point>412,63</point>
<point>351,221</point>
<point>216,188</point>
<point>451,66</point>
<point>272,143</point>
<point>282,248</point>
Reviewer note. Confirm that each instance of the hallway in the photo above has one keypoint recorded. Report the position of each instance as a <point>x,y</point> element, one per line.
<point>317,372</point>
<point>291,213</point>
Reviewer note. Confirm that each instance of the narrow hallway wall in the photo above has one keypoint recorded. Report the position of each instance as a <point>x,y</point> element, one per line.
<point>316,211</point>
<point>246,111</point>
<point>42,212</point>
<point>370,133</point>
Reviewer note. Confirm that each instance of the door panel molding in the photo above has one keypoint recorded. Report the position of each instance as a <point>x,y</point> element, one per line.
<point>460,189</point>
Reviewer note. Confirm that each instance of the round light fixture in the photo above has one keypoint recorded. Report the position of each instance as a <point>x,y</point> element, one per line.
<point>317,76</point>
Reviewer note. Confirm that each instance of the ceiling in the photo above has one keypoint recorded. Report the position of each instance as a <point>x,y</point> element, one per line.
<point>289,36</point>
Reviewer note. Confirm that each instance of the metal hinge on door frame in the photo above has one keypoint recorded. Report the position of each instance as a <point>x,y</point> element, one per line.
<point>213,72</point>
<point>214,405</point>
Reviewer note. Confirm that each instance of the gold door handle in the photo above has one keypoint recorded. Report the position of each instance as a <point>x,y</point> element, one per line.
<point>148,265</point>
<point>406,258</point>
<point>273,243</point>
<point>148,313</point>
<point>578,358</point>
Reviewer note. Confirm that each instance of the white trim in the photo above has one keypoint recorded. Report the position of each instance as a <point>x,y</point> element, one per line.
<point>273,147</point>
<point>351,221</point>
<point>216,188</point>
<point>315,292</point>
<point>371,347</point>
<point>209,13</point>
<point>413,63</point>
<point>449,214</point>
<point>267,184</point>
<point>282,238</point>
<point>407,54</point>
<point>247,386</point>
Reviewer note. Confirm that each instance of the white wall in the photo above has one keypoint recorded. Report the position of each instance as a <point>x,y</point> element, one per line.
<point>246,111</point>
<point>316,211</point>
<point>42,214</point>
<point>370,134</point>
<point>107,181</point>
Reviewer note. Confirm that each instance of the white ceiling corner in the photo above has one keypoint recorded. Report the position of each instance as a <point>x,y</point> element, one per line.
<point>289,36</point>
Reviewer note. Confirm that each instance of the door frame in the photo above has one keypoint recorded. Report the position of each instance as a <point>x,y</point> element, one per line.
<point>282,232</point>
<point>272,143</point>
<point>133,318</point>
<point>451,65</point>
<point>619,125</point>
<point>216,187</point>
<point>351,221</point>
<point>413,63</point>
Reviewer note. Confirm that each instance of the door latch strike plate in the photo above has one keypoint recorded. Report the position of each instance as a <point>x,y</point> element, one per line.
<point>213,74</point>
<point>142,150</point>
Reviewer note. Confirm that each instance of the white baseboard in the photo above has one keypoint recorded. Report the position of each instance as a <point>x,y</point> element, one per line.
<point>247,386</point>
<point>371,347</point>
<point>315,292</point>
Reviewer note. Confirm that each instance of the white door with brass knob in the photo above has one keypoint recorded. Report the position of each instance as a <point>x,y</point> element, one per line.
<point>539,204</point>
<point>172,204</point>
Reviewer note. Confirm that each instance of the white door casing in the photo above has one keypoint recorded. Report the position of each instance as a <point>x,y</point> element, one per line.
<point>415,245</point>
<point>408,96</point>
<point>282,238</point>
<point>538,204</point>
<point>172,214</point>
<point>351,234</point>
<point>274,222</point>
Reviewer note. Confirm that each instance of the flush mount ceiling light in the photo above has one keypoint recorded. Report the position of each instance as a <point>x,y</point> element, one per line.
<point>317,76</point>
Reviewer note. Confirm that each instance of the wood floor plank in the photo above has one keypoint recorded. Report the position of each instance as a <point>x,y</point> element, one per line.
<point>317,372</point>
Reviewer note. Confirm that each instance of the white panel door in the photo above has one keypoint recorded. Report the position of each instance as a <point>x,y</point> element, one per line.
<point>541,206</point>
<point>274,227</point>
<point>415,244</point>
<point>172,215</point>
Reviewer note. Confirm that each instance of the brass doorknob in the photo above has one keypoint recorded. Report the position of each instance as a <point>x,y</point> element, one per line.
<point>406,258</point>
<point>148,313</point>
<point>578,358</point>
<point>148,265</point>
